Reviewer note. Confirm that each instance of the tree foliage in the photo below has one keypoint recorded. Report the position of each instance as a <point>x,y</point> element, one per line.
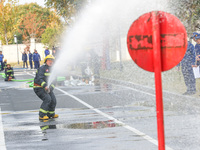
<point>34,19</point>
<point>188,11</point>
<point>31,26</point>
<point>51,36</point>
<point>8,23</point>
<point>28,20</point>
<point>66,8</point>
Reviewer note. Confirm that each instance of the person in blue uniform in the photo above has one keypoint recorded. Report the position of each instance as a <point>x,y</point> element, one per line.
<point>46,52</point>
<point>187,63</point>
<point>195,36</point>
<point>1,60</point>
<point>24,59</point>
<point>197,49</point>
<point>36,59</point>
<point>30,57</point>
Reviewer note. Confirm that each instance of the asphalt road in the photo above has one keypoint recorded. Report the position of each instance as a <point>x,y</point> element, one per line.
<point>112,116</point>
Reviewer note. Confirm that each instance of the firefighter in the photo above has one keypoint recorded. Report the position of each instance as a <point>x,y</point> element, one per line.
<point>4,64</point>
<point>9,73</point>
<point>45,93</point>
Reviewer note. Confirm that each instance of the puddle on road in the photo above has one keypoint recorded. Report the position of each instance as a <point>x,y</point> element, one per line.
<point>93,125</point>
<point>87,125</point>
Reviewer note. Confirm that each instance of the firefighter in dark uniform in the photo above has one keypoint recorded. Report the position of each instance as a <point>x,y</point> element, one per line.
<point>45,93</point>
<point>9,73</point>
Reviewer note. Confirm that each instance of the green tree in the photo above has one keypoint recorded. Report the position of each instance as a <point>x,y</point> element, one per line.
<point>8,23</point>
<point>188,11</point>
<point>34,19</point>
<point>66,8</point>
<point>49,37</point>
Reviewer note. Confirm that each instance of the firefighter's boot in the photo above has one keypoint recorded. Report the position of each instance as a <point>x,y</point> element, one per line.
<point>55,116</point>
<point>44,118</point>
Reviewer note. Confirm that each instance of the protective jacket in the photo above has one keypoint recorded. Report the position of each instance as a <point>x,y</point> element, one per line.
<point>9,72</point>
<point>30,55</point>
<point>1,57</point>
<point>49,100</point>
<point>24,57</point>
<point>36,57</point>
<point>46,52</point>
<point>189,58</point>
<point>41,78</point>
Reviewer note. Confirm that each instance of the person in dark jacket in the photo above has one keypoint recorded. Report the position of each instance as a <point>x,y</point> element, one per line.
<point>36,59</point>
<point>45,92</point>
<point>24,59</point>
<point>1,60</point>
<point>4,64</point>
<point>187,63</point>
<point>46,52</point>
<point>30,57</point>
<point>9,73</point>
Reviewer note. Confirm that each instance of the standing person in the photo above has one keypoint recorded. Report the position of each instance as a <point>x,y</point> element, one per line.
<point>197,49</point>
<point>46,52</point>
<point>1,60</point>
<point>187,63</point>
<point>45,93</point>
<point>54,53</point>
<point>4,63</point>
<point>33,58</point>
<point>24,59</point>
<point>195,36</point>
<point>30,57</point>
<point>36,59</point>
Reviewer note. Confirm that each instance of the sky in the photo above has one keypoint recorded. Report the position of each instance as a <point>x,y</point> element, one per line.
<point>39,2</point>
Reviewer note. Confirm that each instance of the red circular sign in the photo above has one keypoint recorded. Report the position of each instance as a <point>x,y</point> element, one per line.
<point>173,41</point>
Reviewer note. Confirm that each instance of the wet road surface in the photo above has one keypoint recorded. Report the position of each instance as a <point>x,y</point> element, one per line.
<point>109,116</point>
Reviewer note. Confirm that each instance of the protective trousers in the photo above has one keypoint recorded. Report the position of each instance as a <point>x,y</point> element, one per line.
<point>189,78</point>
<point>31,64</point>
<point>36,64</point>
<point>49,102</point>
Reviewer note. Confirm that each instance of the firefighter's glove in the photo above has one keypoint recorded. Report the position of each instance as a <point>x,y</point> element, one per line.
<point>47,89</point>
<point>51,87</point>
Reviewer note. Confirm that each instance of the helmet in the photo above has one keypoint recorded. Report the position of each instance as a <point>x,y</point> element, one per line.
<point>48,57</point>
<point>194,34</point>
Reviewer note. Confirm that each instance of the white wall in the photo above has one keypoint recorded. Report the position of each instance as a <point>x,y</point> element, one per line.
<point>10,51</point>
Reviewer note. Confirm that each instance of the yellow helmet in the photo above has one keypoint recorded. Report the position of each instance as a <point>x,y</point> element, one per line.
<point>48,57</point>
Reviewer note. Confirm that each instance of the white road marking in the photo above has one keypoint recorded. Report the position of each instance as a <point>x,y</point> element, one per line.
<point>2,138</point>
<point>148,138</point>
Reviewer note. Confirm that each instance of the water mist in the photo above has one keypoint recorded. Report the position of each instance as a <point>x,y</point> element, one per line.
<point>100,20</point>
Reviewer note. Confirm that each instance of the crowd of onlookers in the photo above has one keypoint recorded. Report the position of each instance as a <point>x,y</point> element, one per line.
<point>28,58</point>
<point>34,57</point>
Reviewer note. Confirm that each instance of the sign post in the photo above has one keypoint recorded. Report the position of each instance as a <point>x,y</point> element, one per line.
<point>157,41</point>
<point>158,79</point>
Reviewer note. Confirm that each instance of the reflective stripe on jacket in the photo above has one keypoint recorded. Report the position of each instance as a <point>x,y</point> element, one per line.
<point>41,78</point>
